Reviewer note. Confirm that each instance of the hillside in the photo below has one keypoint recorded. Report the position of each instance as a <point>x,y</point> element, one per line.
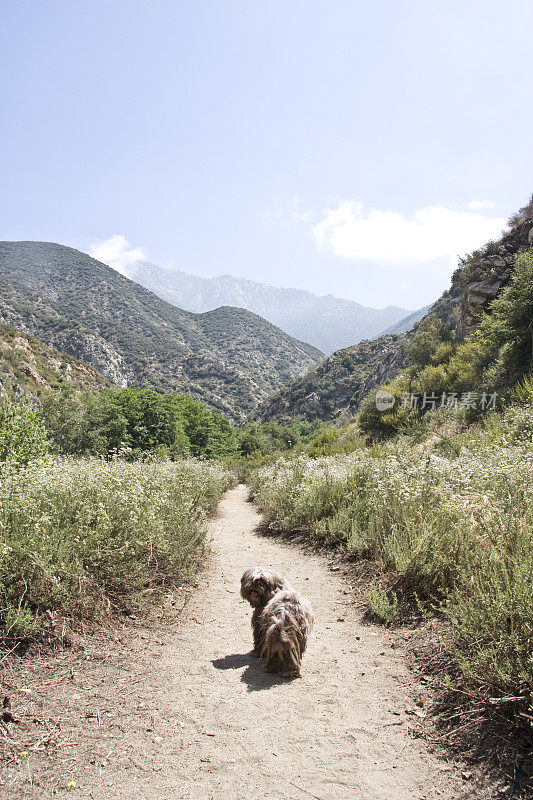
<point>335,389</point>
<point>31,367</point>
<point>407,323</point>
<point>328,322</point>
<point>229,358</point>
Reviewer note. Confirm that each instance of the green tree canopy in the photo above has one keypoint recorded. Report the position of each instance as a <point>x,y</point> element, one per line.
<point>136,421</point>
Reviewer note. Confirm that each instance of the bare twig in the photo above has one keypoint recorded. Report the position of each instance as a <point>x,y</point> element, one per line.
<point>305,790</point>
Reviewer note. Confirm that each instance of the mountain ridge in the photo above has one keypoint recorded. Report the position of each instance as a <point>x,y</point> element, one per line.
<point>325,321</point>
<point>229,358</point>
<point>407,322</point>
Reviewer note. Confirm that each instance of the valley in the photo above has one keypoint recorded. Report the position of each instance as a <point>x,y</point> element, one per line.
<point>126,488</point>
<point>266,400</point>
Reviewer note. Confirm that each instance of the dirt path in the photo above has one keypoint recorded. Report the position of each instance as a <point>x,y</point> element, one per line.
<point>209,723</point>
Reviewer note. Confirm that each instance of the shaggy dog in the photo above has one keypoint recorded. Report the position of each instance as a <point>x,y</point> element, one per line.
<point>281,621</point>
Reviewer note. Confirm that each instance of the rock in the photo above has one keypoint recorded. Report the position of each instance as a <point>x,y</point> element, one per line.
<point>492,273</point>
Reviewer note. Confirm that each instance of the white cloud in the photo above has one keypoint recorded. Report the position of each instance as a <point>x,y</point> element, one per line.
<point>118,253</point>
<point>479,205</point>
<point>431,233</point>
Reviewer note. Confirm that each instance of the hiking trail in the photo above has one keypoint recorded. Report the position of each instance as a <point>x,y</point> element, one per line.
<point>204,721</point>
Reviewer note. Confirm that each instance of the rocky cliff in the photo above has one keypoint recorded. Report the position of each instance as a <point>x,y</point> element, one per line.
<point>335,389</point>
<point>491,270</point>
<point>29,366</point>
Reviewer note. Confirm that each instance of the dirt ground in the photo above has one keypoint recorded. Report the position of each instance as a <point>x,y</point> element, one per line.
<point>178,709</point>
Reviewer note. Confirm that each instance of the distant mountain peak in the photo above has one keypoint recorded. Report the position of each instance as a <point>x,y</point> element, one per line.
<point>326,322</point>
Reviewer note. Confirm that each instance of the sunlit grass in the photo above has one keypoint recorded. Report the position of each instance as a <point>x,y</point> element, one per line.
<point>84,537</point>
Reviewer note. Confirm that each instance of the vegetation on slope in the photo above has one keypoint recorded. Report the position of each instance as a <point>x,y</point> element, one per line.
<point>335,390</point>
<point>228,358</point>
<point>30,367</point>
<point>445,370</point>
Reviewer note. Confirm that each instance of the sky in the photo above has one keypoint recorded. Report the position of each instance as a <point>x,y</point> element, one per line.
<point>345,147</point>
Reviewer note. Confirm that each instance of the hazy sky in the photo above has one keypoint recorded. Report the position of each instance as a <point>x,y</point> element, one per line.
<point>346,147</point>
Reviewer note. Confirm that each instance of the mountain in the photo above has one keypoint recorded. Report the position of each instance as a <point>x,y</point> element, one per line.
<point>407,323</point>
<point>335,389</point>
<point>229,358</point>
<point>30,366</point>
<point>326,322</point>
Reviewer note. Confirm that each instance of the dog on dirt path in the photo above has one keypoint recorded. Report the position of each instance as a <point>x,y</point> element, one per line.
<point>281,621</point>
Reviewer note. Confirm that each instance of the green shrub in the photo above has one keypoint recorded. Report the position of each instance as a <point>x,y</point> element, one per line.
<point>507,329</point>
<point>347,363</point>
<point>324,443</point>
<point>384,424</point>
<point>19,622</point>
<point>22,433</point>
<point>491,612</point>
<point>432,333</point>
<point>383,605</point>
<point>371,419</point>
<point>443,353</point>
<point>523,391</point>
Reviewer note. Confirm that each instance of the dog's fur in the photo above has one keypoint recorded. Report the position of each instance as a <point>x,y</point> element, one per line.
<point>281,621</point>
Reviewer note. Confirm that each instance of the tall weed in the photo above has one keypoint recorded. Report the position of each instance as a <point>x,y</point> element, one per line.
<point>85,536</point>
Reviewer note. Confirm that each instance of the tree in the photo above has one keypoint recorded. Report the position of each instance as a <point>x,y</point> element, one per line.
<point>138,421</point>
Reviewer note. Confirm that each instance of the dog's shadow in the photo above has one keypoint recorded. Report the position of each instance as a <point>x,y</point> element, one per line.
<point>254,676</point>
